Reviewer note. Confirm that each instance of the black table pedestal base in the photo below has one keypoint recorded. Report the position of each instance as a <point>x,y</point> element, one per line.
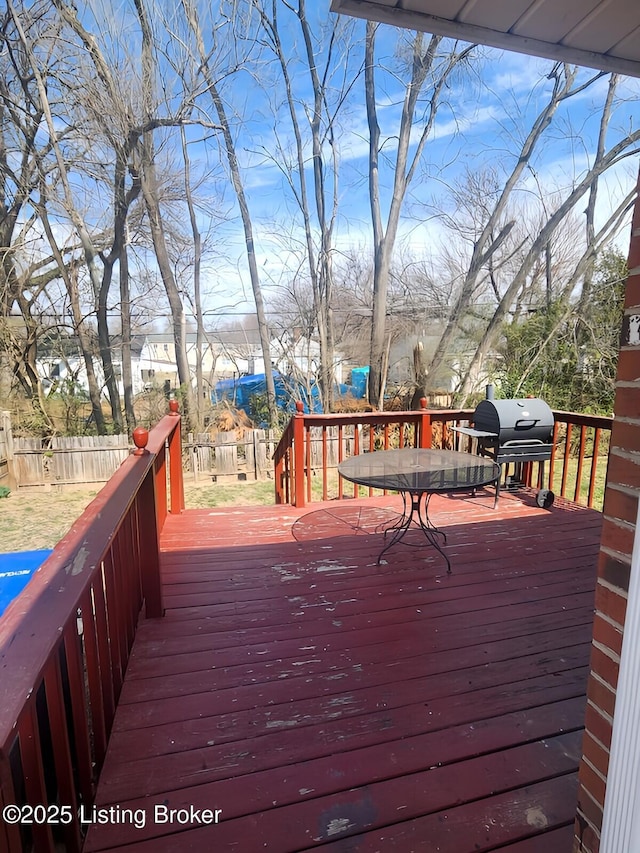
<point>415,511</point>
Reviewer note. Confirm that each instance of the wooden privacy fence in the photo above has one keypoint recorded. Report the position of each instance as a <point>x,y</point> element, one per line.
<point>228,455</point>
<point>6,451</point>
<point>68,459</point>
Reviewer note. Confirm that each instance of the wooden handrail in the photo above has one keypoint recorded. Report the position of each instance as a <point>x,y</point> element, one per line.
<point>65,642</point>
<point>293,464</point>
<point>295,467</point>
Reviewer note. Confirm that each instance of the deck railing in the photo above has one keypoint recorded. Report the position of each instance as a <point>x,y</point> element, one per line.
<point>65,643</point>
<point>312,446</point>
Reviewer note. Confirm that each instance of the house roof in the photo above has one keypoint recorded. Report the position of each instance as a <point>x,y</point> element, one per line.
<point>601,34</point>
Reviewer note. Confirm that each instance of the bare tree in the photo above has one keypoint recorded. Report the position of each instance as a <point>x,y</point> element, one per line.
<point>429,66</point>
<point>318,203</point>
<point>603,160</point>
<point>207,71</point>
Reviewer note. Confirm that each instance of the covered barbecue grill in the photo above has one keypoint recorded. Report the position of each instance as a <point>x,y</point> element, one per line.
<point>515,431</point>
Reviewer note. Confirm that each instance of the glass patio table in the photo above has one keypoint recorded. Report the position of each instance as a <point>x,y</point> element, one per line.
<point>418,474</point>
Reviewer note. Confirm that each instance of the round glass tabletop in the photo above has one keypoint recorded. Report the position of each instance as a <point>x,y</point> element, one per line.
<point>415,470</point>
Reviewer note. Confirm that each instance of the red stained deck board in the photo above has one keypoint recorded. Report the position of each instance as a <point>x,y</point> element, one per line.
<point>296,702</point>
<point>182,653</point>
<point>379,723</point>
<point>369,759</point>
<point>251,814</point>
<point>268,669</point>
<point>217,670</point>
<point>481,826</point>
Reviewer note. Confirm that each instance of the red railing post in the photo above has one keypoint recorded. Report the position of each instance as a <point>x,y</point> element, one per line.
<point>278,476</point>
<point>176,479</point>
<point>149,539</point>
<point>298,456</point>
<point>424,425</point>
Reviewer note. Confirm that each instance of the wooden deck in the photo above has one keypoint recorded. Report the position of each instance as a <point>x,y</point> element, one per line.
<point>319,700</point>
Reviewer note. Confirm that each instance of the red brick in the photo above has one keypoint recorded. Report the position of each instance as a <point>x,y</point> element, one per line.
<point>615,570</point>
<point>588,823</point>
<point>604,667</point>
<point>603,697</point>
<point>618,538</point>
<point>590,842</point>
<point>626,435</point>
<point>623,471</point>
<point>606,634</point>
<point>611,603</point>
<point>632,290</point>
<point>592,782</point>
<point>594,722</point>
<point>590,809</point>
<point>598,756</point>
<point>628,365</point>
<point>633,258</point>
<point>620,505</point>
<point>627,402</point>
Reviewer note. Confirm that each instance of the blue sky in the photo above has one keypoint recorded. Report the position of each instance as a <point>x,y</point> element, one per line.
<point>480,125</point>
<point>485,117</point>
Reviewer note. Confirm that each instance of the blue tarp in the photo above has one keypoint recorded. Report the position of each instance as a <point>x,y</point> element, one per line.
<point>239,391</point>
<point>15,572</point>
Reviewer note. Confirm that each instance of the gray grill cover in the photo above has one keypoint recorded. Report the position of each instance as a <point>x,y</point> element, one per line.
<point>515,420</point>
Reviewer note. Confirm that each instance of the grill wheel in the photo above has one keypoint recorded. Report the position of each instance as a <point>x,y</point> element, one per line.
<point>545,498</point>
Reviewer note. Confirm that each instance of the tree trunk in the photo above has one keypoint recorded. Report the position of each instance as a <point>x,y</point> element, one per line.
<point>198,419</point>
<point>236,179</point>
<point>384,236</point>
<point>125,315</point>
<point>149,183</point>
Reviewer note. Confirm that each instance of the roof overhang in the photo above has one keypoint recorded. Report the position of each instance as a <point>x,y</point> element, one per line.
<point>602,34</point>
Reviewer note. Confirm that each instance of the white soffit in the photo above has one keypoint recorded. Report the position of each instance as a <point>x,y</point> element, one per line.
<point>601,34</point>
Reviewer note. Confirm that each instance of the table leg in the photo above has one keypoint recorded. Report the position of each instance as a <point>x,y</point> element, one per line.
<point>415,509</point>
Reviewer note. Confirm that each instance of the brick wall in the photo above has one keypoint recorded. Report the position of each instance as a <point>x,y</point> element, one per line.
<point>620,510</point>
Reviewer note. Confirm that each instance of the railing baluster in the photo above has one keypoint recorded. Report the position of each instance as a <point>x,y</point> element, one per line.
<point>79,712</point>
<point>594,463</point>
<point>93,679</point>
<point>161,486</point>
<point>33,772</point>
<point>324,462</point>
<point>356,452</point>
<point>583,438</point>
<point>10,839</point>
<point>554,444</point>
<point>104,653</point>
<point>308,460</point>
<point>565,464</point>
<point>340,458</point>
<point>62,752</point>
<point>118,653</point>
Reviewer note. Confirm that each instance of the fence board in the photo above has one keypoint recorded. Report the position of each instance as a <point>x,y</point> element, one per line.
<point>87,459</point>
<point>256,453</point>
<point>226,453</point>
<point>7,477</point>
<point>68,459</point>
<point>28,461</point>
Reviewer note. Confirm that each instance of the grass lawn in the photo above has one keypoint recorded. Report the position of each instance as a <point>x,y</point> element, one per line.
<point>33,519</point>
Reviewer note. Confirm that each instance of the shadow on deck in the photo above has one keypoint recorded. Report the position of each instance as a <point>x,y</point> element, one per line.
<point>319,700</point>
